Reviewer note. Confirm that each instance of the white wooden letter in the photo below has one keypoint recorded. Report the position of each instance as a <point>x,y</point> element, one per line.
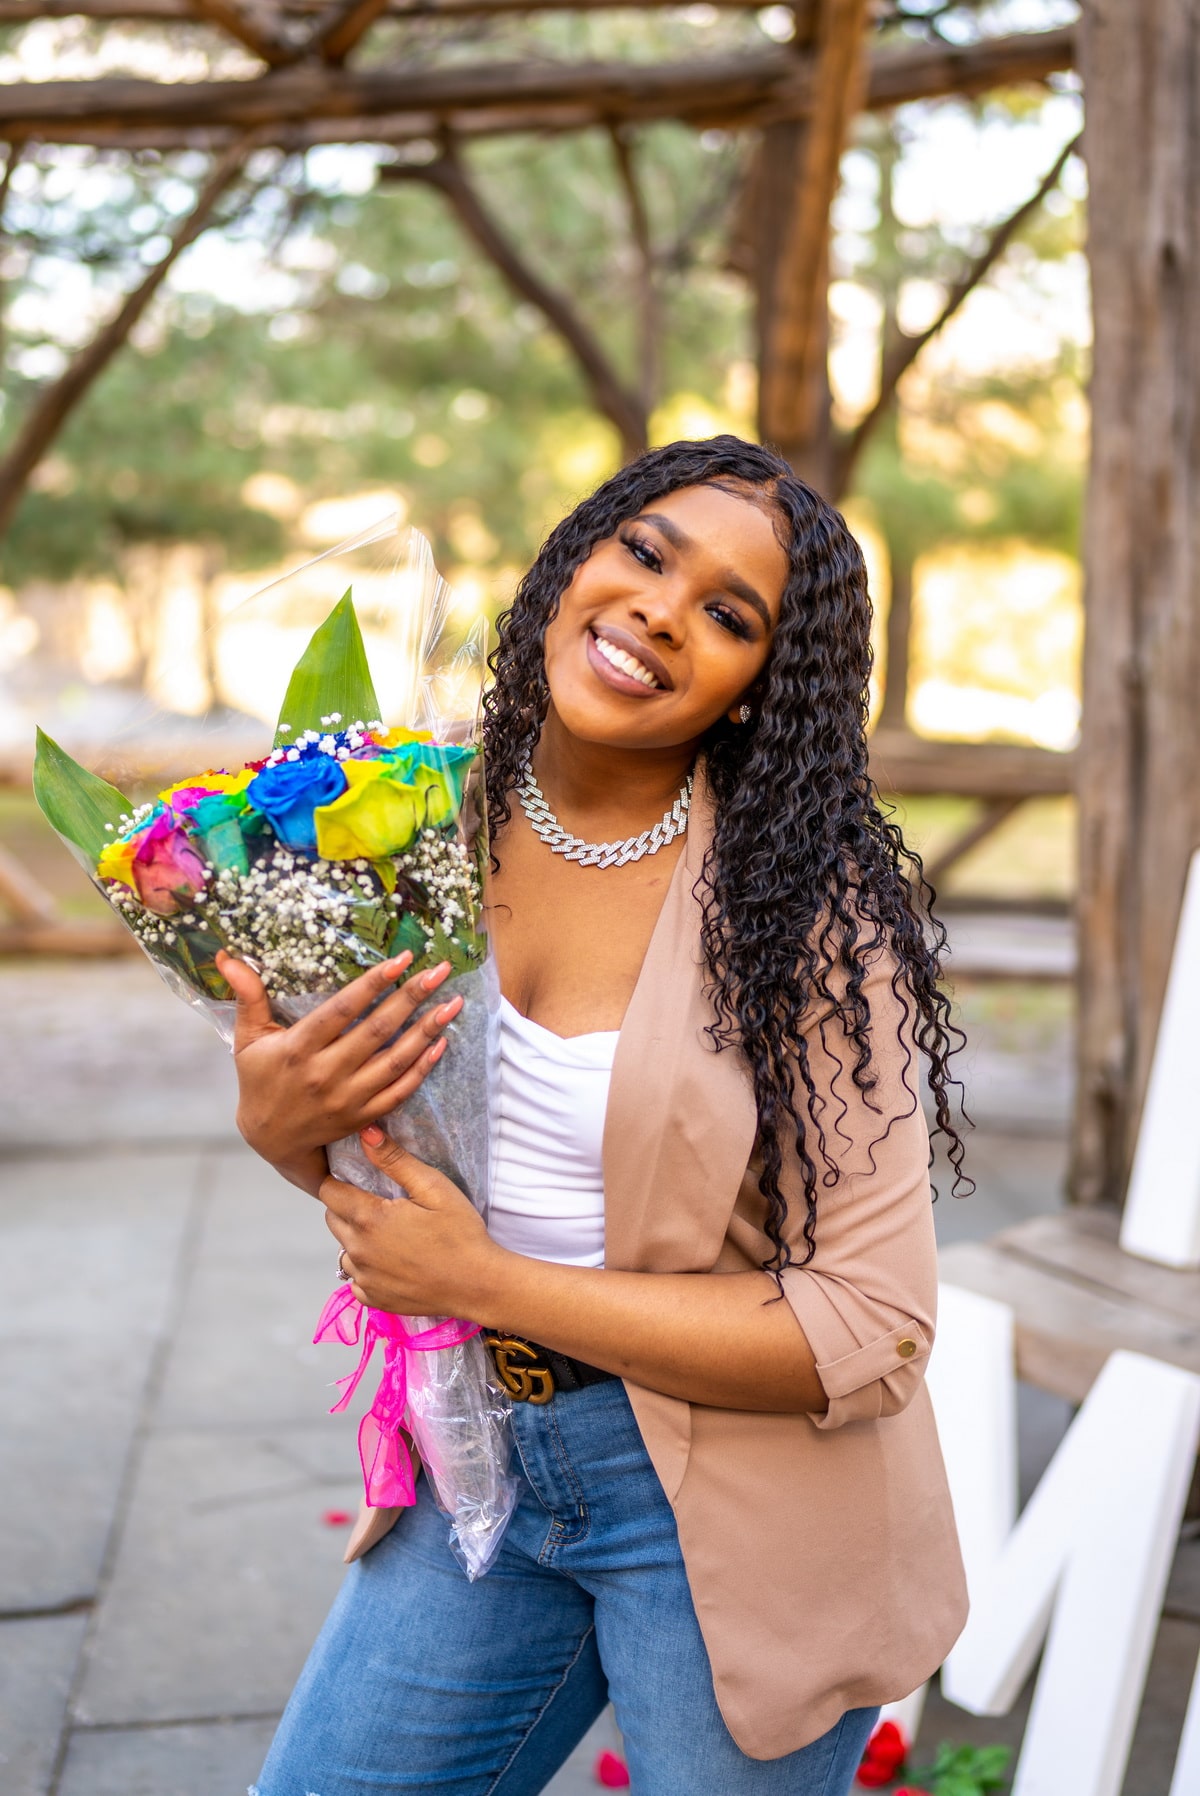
<point>1161,1220</point>
<point>1085,1566</point>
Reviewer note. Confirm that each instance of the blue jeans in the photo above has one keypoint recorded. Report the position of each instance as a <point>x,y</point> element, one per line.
<point>421,1682</point>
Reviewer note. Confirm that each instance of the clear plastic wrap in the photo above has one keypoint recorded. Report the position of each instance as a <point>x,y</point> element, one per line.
<point>345,844</point>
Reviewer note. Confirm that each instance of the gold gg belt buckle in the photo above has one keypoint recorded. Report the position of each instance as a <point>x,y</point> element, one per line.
<point>520,1368</point>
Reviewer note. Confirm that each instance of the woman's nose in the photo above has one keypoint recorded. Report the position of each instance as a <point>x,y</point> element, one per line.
<point>662,613</point>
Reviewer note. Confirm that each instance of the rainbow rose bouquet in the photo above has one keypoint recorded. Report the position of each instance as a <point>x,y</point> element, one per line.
<point>347,843</point>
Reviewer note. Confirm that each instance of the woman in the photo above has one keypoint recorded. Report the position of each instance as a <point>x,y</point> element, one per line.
<point>733,1519</point>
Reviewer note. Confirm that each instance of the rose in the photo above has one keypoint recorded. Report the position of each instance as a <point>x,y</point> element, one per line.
<point>886,1752</point>
<point>288,793</point>
<point>911,1790</point>
<point>445,758</point>
<point>167,870</point>
<point>184,795</point>
<point>388,799</point>
<point>116,862</point>
<point>217,820</point>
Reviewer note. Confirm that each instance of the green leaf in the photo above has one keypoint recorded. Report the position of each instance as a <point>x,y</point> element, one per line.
<point>407,934</point>
<point>956,1783</point>
<point>991,1765</point>
<point>331,675</point>
<point>77,803</point>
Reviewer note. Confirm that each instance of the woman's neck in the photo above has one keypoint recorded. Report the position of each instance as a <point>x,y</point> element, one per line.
<point>627,787</point>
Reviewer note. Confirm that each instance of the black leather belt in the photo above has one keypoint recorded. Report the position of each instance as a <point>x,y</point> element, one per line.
<point>533,1374</point>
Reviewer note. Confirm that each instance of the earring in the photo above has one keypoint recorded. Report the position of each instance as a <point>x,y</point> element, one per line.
<point>745,714</point>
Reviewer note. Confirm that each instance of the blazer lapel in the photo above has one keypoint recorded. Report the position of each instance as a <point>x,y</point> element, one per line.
<point>681,1118</point>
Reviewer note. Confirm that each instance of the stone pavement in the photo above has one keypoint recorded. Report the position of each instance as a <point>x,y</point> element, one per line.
<point>167,1455</point>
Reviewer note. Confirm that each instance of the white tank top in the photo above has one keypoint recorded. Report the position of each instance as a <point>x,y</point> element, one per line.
<point>547,1197</point>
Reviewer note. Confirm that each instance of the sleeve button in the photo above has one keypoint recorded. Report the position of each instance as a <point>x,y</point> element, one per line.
<point>906,1348</point>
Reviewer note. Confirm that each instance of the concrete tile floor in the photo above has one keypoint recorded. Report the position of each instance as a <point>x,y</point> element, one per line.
<point>167,1458</point>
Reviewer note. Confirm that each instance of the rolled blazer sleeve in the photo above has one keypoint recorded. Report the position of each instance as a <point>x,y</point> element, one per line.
<point>867,1299</point>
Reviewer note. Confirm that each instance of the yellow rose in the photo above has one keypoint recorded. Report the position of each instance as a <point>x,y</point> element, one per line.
<point>378,814</point>
<point>116,862</point>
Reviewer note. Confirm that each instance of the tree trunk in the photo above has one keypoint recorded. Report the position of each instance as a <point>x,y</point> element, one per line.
<point>1139,785</point>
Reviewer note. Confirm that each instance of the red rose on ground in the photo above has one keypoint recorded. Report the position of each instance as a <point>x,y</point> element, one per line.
<point>911,1790</point>
<point>610,1771</point>
<point>886,1752</point>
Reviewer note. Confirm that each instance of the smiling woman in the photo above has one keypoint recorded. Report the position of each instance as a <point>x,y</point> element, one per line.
<point>710,1281</point>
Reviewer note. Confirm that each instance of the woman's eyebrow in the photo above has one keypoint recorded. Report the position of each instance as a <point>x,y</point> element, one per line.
<point>731,582</point>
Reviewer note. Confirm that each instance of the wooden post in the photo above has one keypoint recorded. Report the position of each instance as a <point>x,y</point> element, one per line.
<point>1139,772</point>
<point>798,182</point>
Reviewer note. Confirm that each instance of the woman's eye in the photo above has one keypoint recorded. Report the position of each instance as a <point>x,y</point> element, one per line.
<point>729,620</point>
<point>644,552</point>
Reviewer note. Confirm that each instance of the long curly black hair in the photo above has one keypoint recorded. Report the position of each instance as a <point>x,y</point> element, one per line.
<point>806,875</point>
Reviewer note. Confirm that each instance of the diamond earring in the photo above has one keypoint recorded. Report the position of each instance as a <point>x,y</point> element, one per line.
<point>745,714</point>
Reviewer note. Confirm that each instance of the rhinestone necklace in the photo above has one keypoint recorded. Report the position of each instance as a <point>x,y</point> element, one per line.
<point>600,854</point>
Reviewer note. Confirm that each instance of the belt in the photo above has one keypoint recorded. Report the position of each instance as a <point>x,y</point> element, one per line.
<point>533,1374</point>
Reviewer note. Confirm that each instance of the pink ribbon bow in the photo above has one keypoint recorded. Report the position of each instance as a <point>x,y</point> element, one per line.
<point>387,1471</point>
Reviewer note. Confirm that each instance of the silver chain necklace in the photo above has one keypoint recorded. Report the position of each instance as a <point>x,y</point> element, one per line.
<point>545,824</point>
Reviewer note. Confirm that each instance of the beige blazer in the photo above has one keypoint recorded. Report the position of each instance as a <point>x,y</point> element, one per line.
<point>820,1550</point>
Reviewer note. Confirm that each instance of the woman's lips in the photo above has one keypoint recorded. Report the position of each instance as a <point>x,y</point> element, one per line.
<point>643,674</point>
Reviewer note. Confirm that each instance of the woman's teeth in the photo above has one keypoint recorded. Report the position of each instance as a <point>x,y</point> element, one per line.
<point>625,664</point>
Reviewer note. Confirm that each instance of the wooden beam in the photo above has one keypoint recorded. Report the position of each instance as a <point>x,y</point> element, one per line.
<point>903,762</point>
<point>1078,1299</point>
<point>88,939</point>
<point>900,763</point>
<point>347,24</point>
<point>163,12</point>
<point>288,103</point>
<point>993,813</point>
<point>24,896</point>
<point>229,17</point>
<point>793,350</point>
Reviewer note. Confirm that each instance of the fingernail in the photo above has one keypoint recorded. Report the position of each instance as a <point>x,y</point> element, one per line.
<point>372,1136</point>
<point>445,1011</point>
<point>398,965</point>
<point>438,1049</point>
<point>431,978</point>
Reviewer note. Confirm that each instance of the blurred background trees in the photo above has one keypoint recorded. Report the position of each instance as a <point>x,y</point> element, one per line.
<point>338,340</point>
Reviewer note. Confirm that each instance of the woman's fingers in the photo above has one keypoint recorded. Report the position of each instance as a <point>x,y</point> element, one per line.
<point>409,1053</point>
<point>253,1019</point>
<point>332,1018</point>
<point>378,1103</point>
<point>381,1029</point>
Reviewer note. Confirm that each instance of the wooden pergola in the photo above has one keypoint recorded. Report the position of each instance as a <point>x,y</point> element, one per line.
<point>1137,772</point>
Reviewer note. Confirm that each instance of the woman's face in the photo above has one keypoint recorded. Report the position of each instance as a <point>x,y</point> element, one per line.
<point>667,625</point>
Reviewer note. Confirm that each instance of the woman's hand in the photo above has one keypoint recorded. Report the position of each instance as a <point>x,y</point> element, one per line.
<point>428,1256</point>
<point>336,1070</point>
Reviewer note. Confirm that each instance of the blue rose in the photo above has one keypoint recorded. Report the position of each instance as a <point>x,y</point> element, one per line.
<point>288,793</point>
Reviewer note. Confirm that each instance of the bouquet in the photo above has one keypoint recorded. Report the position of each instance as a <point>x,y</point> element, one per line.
<point>346,844</point>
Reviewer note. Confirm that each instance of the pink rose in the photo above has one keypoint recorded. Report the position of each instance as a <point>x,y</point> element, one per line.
<point>167,870</point>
